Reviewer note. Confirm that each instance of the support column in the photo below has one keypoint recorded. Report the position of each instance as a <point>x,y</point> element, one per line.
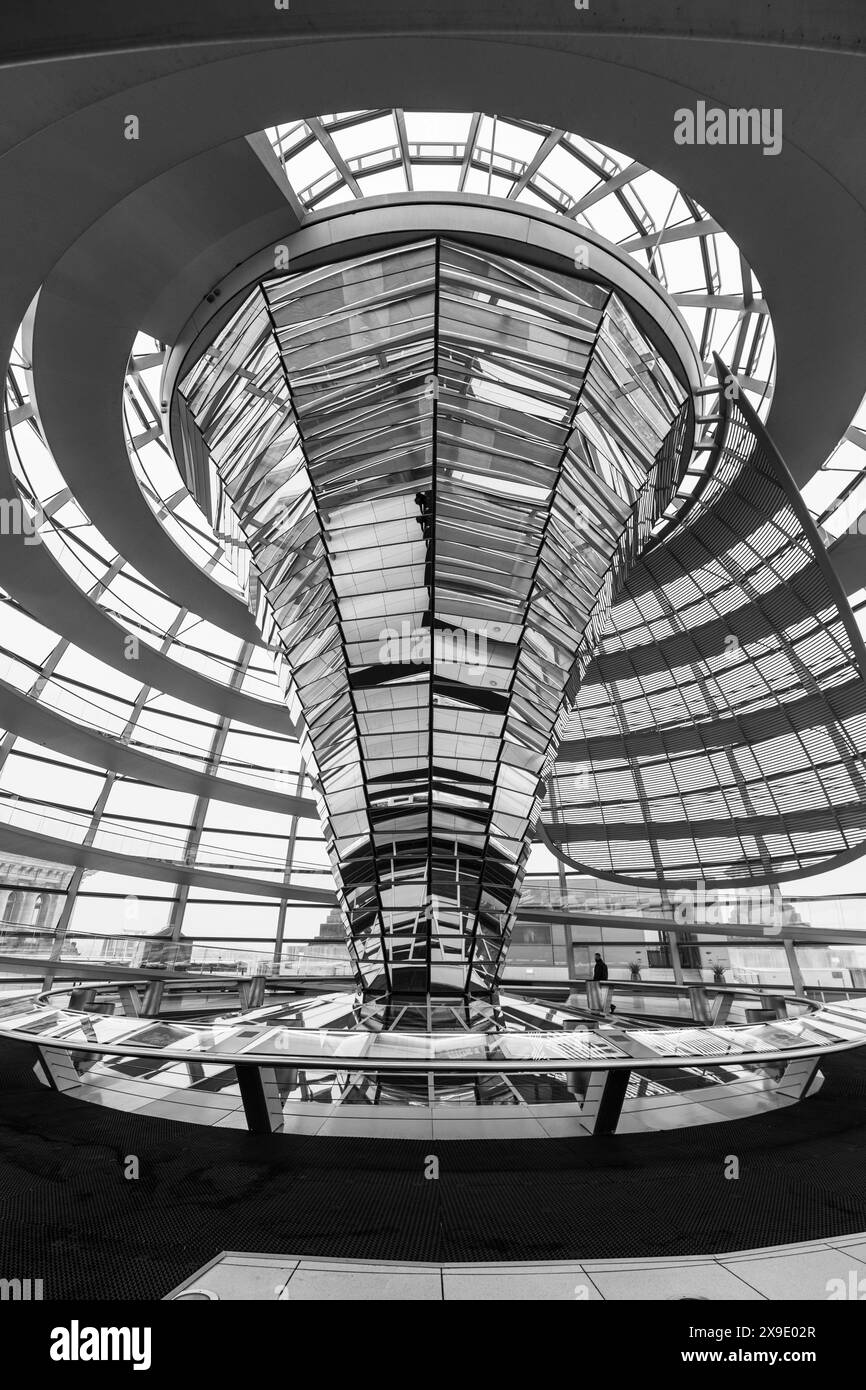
<point>58,1069</point>
<point>794,966</point>
<point>721,1009</point>
<point>674,948</point>
<point>578,1083</point>
<point>66,914</point>
<point>560,935</point>
<point>45,1067</point>
<point>574,980</point>
<point>800,1076</point>
<point>700,1004</point>
<point>152,1001</point>
<point>595,999</point>
<point>261,1098</point>
<point>612,1097</point>
<point>279,940</point>
<point>129,1000</point>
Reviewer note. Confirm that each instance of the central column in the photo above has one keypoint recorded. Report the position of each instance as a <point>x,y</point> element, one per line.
<point>433,454</point>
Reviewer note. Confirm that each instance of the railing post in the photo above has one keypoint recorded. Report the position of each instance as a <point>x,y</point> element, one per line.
<point>794,966</point>
<point>257,991</point>
<point>722,1008</point>
<point>150,1004</point>
<point>674,948</point>
<point>129,1000</point>
<point>612,1097</point>
<point>569,953</point>
<point>261,1098</point>
<point>700,1004</point>
<point>577,1082</point>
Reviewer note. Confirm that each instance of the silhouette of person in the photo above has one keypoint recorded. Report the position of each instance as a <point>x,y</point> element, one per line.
<point>600,970</point>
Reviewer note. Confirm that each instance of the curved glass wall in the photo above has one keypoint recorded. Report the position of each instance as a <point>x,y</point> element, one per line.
<point>719,734</point>
<point>67,712</point>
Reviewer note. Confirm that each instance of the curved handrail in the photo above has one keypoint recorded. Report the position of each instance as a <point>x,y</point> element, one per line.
<point>261,1043</point>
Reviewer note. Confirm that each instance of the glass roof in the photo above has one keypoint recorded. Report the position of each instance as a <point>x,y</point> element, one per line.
<point>334,159</point>
<point>328,161</point>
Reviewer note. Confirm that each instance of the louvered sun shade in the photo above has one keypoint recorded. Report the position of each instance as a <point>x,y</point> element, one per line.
<point>719,733</point>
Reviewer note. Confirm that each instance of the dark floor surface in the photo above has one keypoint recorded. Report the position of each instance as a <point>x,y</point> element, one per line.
<point>70,1217</point>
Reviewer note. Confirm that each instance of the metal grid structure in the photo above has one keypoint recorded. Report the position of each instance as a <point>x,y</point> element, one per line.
<point>439,497</point>
<point>154,768</point>
<point>331,159</point>
<point>719,734</point>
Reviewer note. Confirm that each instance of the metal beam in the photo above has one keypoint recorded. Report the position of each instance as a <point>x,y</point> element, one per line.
<point>670,234</point>
<point>32,845</point>
<point>547,145</point>
<point>260,1097</point>
<point>611,1102</point>
<point>595,195</point>
<point>721,301</point>
<point>400,121</point>
<point>326,140</point>
<point>262,147</point>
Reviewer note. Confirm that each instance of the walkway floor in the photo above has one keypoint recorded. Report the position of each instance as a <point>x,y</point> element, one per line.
<point>814,1271</point>
<point>69,1215</point>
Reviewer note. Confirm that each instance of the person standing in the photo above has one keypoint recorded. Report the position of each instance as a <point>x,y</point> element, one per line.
<point>600,970</point>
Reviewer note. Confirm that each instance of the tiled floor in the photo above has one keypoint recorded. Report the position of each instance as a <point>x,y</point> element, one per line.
<point>815,1271</point>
